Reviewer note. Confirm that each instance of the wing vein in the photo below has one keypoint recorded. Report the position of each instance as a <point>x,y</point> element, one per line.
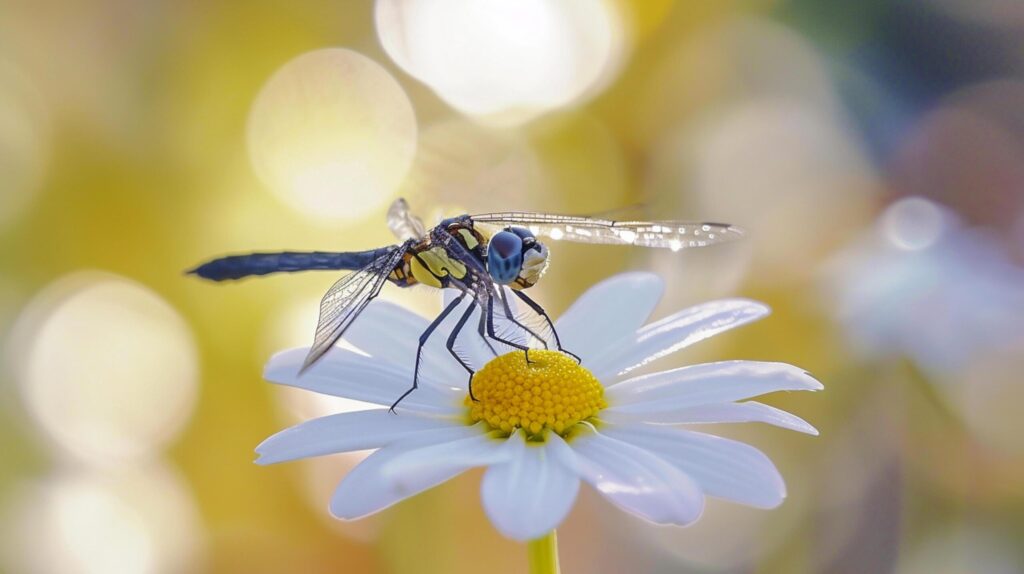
<point>674,235</point>
<point>346,299</point>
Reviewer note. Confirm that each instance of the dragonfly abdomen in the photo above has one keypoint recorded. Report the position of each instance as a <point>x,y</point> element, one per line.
<point>239,266</point>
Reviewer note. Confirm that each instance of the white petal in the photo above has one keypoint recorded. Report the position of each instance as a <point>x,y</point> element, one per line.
<point>433,464</point>
<point>676,332</point>
<point>530,494</point>
<point>365,490</point>
<point>469,344</point>
<point>346,432</point>
<point>638,481</point>
<point>748,412</point>
<point>705,384</point>
<point>607,312</point>
<point>344,373</point>
<point>388,331</point>
<point>723,468</point>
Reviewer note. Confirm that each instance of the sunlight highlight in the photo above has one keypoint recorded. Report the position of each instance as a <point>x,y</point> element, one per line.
<point>913,223</point>
<point>332,134</point>
<point>106,367</point>
<point>137,520</point>
<point>504,61</point>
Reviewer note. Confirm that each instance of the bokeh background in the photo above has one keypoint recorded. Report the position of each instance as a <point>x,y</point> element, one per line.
<point>873,150</point>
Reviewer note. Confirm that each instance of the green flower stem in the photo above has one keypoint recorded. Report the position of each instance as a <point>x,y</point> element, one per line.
<point>543,554</point>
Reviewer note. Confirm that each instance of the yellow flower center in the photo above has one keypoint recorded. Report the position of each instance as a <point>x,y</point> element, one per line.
<point>551,392</point>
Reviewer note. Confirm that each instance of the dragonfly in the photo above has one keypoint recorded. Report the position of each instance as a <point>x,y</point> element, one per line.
<point>484,257</point>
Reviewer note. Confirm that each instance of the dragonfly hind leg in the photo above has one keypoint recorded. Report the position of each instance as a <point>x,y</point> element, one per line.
<point>424,337</point>
<point>540,311</point>
<point>450,345</point>
<point>482,329</point>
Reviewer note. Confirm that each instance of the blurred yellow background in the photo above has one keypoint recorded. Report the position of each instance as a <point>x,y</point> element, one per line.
<point>874,152</point>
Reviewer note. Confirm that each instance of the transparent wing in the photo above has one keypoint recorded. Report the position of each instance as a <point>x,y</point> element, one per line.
<point>346,299</point>
<point>403,223</point>
<point>674,235</point>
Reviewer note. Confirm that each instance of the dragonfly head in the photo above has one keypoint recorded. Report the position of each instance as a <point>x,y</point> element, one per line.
<point>514,256</point>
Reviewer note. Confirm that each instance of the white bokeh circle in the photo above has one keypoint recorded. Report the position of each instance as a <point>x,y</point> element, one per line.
<point>504,61</point>
<point>913,223</point>
<point>131,519</point>
<point>107,368</point>
<point>332,133</point>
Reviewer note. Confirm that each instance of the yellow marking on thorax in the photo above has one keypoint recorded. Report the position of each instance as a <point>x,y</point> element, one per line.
<point>469,238</point>
<point>438,265</point>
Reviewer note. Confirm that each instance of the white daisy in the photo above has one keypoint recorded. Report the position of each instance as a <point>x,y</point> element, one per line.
<point>541,429</point>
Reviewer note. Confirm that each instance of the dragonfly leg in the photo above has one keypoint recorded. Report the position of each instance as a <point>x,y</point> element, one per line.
<point>511,317</point>
<point>540,311</point>
<point>423,341</point>
<point>450,345</point>
<point>490,330</point>
<point>482,329</point>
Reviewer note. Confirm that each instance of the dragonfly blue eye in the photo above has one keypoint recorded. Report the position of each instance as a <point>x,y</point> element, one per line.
<point>523,233</point>
<point>504,257</point>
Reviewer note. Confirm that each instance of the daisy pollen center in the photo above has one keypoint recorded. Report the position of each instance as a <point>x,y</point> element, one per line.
<point>550,392</point>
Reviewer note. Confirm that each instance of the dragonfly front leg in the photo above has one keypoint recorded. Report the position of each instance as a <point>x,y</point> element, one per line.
<point>450,345</point>
<point>540,311</point>
<point>511,317</point>
<point>490,330</point>
<point>424,337</point>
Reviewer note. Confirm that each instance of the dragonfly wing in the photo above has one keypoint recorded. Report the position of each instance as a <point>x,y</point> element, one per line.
<point>673,235</point>
<point>403,223</point>
<point>346,299</point>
